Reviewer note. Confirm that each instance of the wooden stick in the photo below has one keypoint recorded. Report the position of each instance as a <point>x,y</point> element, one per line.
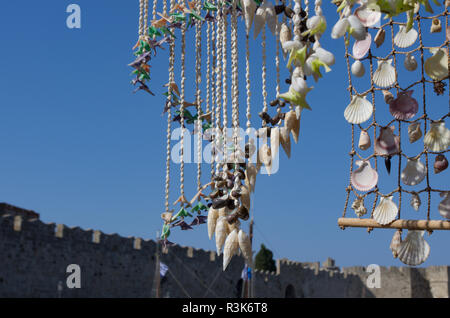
<point>397,224</point>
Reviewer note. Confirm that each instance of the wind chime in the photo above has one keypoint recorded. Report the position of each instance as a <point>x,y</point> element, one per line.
<point>224,201</point>
<point>356,24</point>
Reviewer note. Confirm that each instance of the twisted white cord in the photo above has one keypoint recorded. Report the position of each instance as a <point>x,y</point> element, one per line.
<point>235,83</point>
<point>225,84</point>
<point>155,3</point>
<point>141,18</point>
<point>182,98</point>
<point>198,74</point>
<point>247,80</point>
<point>264,70</point>
<point>218,90</point>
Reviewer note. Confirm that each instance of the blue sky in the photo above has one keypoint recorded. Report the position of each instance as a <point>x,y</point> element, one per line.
<point>80,148</point>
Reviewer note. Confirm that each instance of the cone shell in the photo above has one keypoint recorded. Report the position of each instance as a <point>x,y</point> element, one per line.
<point>292,123</point>
<point>364,140</point>
<point>437,138</point>
<point>285,34</point>
<point>440,163</point>
<point>230,248</point>
<point>415,201</point>
<point>436,26</point>
<point>249,7</point>
<point>358,69</point>
<point>274,142</point>
<point>395,243</point>
<point>410,62</point>
<point>245,197</point>
<point>405,39</point>
<point>414,132</point>
<point>379,37</point>
<point>386,211</point>
<point>387,143</point>
<point>444,206</point>
<point>414,172</point>
<point>271,17</point>
<point>250,177</point>
<point>259,20</point>
<point>285,140</point>
<point>436,66</point>
<point>221,233</point>
<point>359,110</point>
<point>404,106</point>
<point>213,215</point>
<point>413,250</point>
<point>367,17</point>
<point>265,157</point>
<point>360,48</point>
<point>246,247</point>
<point>384,76</point>
<point>364,177</point>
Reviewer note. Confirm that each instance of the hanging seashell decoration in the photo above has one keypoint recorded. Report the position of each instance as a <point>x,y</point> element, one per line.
<point>415,201</point>
<point>360,48</point>
<point>387,143</point>
<point>414,132</point>
<point>384,76</point>
<point>359,110</point>
<point>386,211</point>
<point>413,250</point>
<point>440,163</point>
<point>435,26</point>
<point>379,37</point>
<point>437,138</point>
<point>395,243</point>
<point>364,140</point>
<point>436,66</point>
<point>364,178</point>
<point>410,62</point>
<point>414,172</point>
<point>403,38</point>
<point>358,69</point>
<point>404,106</point>
<point>444,206</point>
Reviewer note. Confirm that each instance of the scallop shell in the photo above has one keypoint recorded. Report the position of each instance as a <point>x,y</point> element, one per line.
<point>410,62</point>
<point>292,123</point>
<point>260,19</point>
<point>265,157</point>
<point>367,17</point>
<point>415,201</point>
<point>384,76</point>
<point>359,110</point>
<point>364,140</point>
<point>249,7</point>
<point>340,28</point>
<point>246,247</point>
<point>387,143</point>
<point>358,69</point>
<point>250,177</point>
<point>436,26</point>
<point>230,248</point>
<point>274,142</point>
<point>395,243</point>
<point>386,211</point>
<point>413,250</point>
<point>379,37</point>
<point>405,39</point>
<point>414,132</point>
<point>436,66</point>
<point>404,106</point>
<point>440,163</point>
<point>358,30</point>
<point>364,177</point>
<point>361,47</point>
<point>221,233</point>
<point>414,172</point>
<point>285,140</point>
<point>213,215</point>
<point>444,206</point>
<point>437,138</point>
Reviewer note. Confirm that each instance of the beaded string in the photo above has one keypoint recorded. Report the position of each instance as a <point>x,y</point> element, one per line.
<point>218,86</point>
<point>182,100</point>
<point>264,74</point>
<point>198,74</point>
<point>225,90</point>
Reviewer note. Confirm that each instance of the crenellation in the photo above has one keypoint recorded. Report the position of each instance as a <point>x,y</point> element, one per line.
<point>77,234</point>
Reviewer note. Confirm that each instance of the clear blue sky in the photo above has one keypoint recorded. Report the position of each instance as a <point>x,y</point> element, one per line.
<point>79,148</point>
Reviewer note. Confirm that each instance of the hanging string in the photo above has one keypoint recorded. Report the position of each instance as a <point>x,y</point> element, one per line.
<point>198,74</point>
<point>182,100</point>
<point>235,86</point>
<point>218,86</point>
<point>264,70</point>
<point>141,18</point>
<point>213,79</point>
<point>247,81</point>
<point>225,89</point>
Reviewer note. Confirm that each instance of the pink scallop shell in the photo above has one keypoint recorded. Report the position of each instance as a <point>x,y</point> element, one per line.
<point>360,48</point>
<point>367,17</point>
<point>364,178</point>
<point>387,143</point>
<point>404,106</point>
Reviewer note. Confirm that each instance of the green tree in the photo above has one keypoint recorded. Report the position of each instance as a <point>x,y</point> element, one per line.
<point>264,260</point>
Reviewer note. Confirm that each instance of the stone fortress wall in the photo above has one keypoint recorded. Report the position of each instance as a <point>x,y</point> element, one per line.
<point>34,257</point>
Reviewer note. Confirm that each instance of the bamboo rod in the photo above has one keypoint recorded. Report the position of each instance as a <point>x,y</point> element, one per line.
<point>397,224</point>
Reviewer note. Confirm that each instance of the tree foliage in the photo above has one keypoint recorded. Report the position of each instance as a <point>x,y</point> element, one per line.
<point>264,260</point>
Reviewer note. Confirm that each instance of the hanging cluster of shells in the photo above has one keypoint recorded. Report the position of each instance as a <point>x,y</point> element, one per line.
<point>357,20</point>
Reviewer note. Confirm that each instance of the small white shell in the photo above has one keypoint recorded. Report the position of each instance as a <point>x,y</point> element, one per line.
<point>260,19</point>
<point>386,211</point>
<point>414,132</point>
<point>358,69</point>
<point>414,250</point>
<point>325,56</point>
<point>437,138</point>
<point>415,201</point>
<point>274,142</point>
<point>265,157</point>
<point>405,39</point>
<point>436,66</point>
<point>384,76</point>
<point>359,32</point>
<point>410,62</point>
<point>395,243</point>
<point>246,247</point>
<point>340,28</point>
<point>285,35</point>
<point>364,177</point>
<point>444,206</point>
<point>221,233</point>
<point>213,215</point>
<point>250,177</point>
<point>271,17</point>
<point>379,37</point>
<point>285,140</point>
<point>230,248</point>
<point>249,7</point>
<point>364,140</point>
<point>367,16</point>
<point>245,197</point>
<point>359,110</point>
<point>414,172</point>
<point>358,207</point>
<point>292,123</point>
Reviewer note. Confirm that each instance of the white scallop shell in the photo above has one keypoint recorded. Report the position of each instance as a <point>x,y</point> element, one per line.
<point>384,76</point>
<point>436,66</point>
<point>405,39</point>
<point>246,247</point>
<point>358,69</point>
<point>413,250</point>
<point>415,201</point>
<point>410,62</point>
<point>386,211</point>
<point>364,177</point>
<point>249,7</point>
<point>359,110</point>
<point>221,233</point>
<point>230,248</point>
<point>340,28</point>
<point>437,138</point>
<point>414,172</point>
<point>395,243</point>
<point>213,215</point>
<point>444,206</point>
